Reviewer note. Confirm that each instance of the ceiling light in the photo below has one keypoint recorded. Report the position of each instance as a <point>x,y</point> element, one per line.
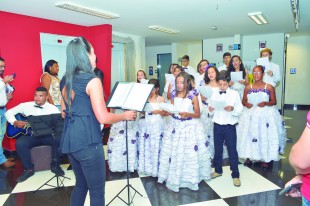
<point>258,17</point>
<point>164,29</point>
<point>86,10</point>
<point>213,27</point>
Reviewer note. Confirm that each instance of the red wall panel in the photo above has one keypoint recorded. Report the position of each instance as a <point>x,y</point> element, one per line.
<point>20,47</point>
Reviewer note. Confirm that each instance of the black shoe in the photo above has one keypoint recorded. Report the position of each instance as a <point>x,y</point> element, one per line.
<point>25,175</point>
<point>70,167</point>
<point>248,163</point>
<point>58,171</point>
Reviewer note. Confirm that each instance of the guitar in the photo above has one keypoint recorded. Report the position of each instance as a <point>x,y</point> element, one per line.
<point>15,132</point>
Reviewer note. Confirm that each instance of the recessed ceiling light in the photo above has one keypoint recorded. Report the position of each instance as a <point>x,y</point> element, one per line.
<point>164,29</point>
<point>213,27</point>
<point>86,10</point>
<point>258,18</point>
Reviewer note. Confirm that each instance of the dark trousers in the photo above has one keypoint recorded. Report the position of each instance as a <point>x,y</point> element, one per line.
<point>25,143</point>
<point>89,168</point>
<point>228,134</point>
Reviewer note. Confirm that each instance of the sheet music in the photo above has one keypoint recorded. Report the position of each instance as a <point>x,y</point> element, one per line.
<point>138,96</point>
<point>168,107</point>
<point>205,91</point>
<point>148,108</point>
<point>218,105</point>
<point>236,76</point>
<point>120,94</point>
<point>144,81</point>
<point>169,77</point>
<point>264,62</point>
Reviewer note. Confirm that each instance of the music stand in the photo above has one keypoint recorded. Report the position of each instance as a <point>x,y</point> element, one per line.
<point>48,125</point>
<point>135,98</point>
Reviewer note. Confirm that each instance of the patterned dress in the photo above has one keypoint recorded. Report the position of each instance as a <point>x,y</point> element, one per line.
<point>117,152</point>
<point>150,142</point>
<point>185,157</point>
<point>261,132</point>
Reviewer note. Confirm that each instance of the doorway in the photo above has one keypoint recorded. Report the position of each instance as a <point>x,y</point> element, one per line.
<point>163,63</point>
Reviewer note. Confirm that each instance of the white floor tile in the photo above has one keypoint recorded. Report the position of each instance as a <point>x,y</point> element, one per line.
<point>113,187</point>
<point>3,198</point>
<point>251,182</point>
<point>218,202</point>
<point>39,178</point>
<point>105,149</point>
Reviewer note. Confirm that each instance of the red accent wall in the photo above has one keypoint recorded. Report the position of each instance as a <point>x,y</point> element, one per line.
<point>20,47</point>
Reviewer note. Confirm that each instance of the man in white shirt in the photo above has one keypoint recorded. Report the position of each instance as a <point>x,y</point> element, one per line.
<point>226,60</point>
<point>185,64</point>
<point>37,107</point>
<point>225,120</point>
<point>4,98</point>
<point>272,75</point>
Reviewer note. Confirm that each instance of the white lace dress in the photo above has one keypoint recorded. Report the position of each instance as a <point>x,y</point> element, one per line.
<point>150,142</point>
<point>185,156</point>
<point>117,159</point>
<point>261,132</point>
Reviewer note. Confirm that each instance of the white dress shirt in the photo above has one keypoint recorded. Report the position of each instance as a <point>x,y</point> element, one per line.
<point>3,99</point>
<point>232,99</point>
<point>28,108</point>
<point>275,78</point>
<point>189,69</point>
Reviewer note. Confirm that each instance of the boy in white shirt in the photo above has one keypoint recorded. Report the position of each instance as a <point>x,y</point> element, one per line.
<point>225,120</point>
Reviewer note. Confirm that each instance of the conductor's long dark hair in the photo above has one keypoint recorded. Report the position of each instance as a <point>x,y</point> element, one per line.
<point>77,62</point>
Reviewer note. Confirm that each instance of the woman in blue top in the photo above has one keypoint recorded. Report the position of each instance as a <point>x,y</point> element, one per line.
<point>84,108</point>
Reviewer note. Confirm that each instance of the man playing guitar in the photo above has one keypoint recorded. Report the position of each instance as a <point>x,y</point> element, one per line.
<point>24,143</point>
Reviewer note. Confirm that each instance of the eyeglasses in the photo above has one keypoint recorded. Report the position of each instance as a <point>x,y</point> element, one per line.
<point>257,73</point>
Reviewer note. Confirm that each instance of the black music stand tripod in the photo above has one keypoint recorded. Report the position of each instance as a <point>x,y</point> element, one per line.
<point>48,125</point>
<point>128,185</point>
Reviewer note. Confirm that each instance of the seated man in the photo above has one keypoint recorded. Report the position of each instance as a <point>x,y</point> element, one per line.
<point>24,143</point>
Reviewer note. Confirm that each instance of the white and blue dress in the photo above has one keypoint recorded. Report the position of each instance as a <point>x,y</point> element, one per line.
<point>185,157</point>
<point>261,132</point>
<point>117,151</point>
<point>151,134</point>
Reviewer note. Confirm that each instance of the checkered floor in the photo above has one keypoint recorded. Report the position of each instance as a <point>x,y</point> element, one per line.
<point>219,191</point>
<point>258,187</point>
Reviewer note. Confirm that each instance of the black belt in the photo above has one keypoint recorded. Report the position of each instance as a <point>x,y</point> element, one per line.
<point>2,107</point>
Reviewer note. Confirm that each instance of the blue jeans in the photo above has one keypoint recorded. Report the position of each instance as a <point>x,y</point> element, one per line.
<point>89,168</point>
<point>227,133</point>
<point>2,132</point>
<point>305,202</point>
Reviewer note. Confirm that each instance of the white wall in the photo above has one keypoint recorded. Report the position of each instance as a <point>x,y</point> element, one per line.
<point>139,42</point>
<point>193,50</point>
<point>195,54</point>
<point>297,85</point>
<point>209,49</point>
<point>151,57</point>
<point>249,51</point>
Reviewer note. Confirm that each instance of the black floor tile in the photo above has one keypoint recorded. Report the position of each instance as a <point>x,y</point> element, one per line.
<point>50,197</point>
<point>270,198</point>
<point>160,195</point>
